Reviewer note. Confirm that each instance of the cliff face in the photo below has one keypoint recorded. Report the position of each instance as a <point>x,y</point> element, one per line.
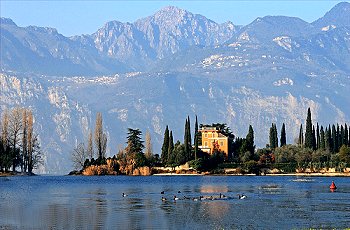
<point>65,108</point>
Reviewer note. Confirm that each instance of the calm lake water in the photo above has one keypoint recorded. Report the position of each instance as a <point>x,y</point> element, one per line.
<point>76,202</point>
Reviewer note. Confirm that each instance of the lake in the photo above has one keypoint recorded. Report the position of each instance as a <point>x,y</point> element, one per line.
<point>77,202</point>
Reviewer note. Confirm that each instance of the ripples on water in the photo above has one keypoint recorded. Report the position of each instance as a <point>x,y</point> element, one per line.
<point>62,202</point>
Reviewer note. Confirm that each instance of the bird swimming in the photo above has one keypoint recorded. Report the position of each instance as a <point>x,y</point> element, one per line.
<point>241,197</point>
<point>124,195</point>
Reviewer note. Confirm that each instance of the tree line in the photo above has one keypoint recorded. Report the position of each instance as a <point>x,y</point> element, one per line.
<point>135,154</point>
<point>19,144</point>
<point>325,146</point>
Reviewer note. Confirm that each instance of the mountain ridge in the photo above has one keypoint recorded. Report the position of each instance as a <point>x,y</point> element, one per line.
<point>146,75</point>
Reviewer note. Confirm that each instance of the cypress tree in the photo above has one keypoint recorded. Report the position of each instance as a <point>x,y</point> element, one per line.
<point>308,131</point>
<point>283,135</point>
<point>301,136</point>
<point>196,134</point>
<point>318,137</point>
<point>313,138</point>
<point>250,140</point>
<point>186,138</point>
<point>338,138</point>
<point>189,139</point>
<point>342,136</point>
<point>272,137</point>
<point>171,147</point>
<point>276,135</point>
<point>322,140</point>
<point>334,139</point>
<point>346,135</point>
<point>328,139</point>
<point>165,147</point>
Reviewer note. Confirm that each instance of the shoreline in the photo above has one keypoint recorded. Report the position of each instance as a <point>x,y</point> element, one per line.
<point>275,174</point>
<point>9,174</point>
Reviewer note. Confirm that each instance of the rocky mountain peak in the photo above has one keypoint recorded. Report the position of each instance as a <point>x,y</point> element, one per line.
<point>7,21</point>
<point>171,14</point>
<point>338,16</point>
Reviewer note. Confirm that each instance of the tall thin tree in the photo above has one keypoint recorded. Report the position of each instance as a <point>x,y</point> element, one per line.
<point>308,131</point>
<point>148,147</point>
<point>283,135</point>
<point>165,146</point>
<point>100,137</point>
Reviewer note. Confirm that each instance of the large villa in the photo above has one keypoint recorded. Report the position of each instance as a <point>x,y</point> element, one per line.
<point>213,138</point>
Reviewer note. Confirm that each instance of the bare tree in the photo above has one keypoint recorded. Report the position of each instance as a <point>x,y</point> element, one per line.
<point>79,155</point>
<point>148,145</point>
<point>35,154</point>
<point>24,155</point>
<point>15,129</point>
<point>90,147</point>
<point>100,137</point>
<point>4,142</point>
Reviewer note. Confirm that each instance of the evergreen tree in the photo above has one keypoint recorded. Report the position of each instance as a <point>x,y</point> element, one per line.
<point>301,136</point>
<point>322,140</point>
<point>250,140</point>
<point>346,135</point>
<point>186,137</point>
<point>134,149</point>
<point>328,139</point>
<point>308,131</point>
<point>314,143</point>
<point>338,137</point>
<point>272,137</point>
<point>189,140</point>
<point>342,136</point>
<point>318,137</point>
<point>334,139</point>
<point>165,146</point>
<point>135,144</point>
<point>171,148</point>
<point>276,135</point>
<point>283,135</point>
<point>196,134</point>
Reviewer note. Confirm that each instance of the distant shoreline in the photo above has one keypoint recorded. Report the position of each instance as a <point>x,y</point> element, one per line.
<point>2,174</point>
<point>275,174</point>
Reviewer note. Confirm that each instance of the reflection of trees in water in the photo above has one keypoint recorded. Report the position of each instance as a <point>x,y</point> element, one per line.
<point>185,214</point>
<point>84,213</point>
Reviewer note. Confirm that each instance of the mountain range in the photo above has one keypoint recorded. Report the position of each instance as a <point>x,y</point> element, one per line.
<point>156,71</point>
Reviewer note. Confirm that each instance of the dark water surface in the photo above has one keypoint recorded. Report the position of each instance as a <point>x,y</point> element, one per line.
<point>76,202</point>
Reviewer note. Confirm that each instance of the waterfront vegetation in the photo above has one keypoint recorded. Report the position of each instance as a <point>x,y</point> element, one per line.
<point>19,144</point>
<point>317,150</point>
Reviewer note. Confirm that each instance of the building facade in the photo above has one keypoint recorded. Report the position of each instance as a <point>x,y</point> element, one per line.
<point>213,139</point>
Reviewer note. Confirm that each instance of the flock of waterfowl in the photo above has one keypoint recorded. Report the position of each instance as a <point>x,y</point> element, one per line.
<point>219,197</point>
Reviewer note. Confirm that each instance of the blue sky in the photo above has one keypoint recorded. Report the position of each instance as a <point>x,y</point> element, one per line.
<point>85,17</point>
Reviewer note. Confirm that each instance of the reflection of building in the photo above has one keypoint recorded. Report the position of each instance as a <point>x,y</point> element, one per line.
<point>213,138</point>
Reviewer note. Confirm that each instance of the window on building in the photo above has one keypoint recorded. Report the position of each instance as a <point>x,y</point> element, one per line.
<point>221,143</point>
<point>205,143</point>
<point>205,135</point>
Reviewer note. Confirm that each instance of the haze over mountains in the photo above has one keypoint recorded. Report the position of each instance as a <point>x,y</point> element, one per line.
<point>161,68</point>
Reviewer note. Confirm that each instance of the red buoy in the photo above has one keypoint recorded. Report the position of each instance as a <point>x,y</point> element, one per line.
<point>333,187</point>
